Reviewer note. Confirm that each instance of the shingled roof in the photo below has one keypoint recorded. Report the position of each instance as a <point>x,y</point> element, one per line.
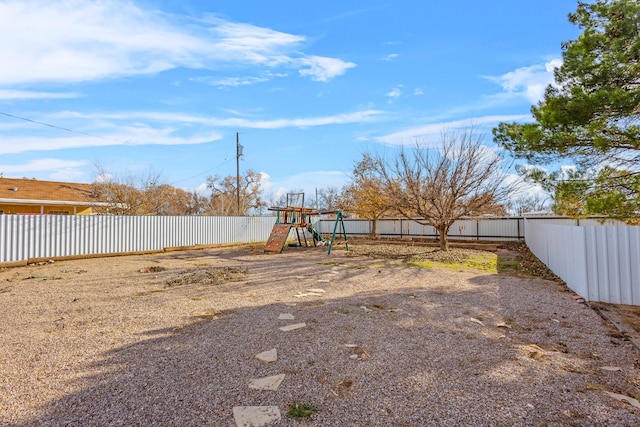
<point>31,190</point>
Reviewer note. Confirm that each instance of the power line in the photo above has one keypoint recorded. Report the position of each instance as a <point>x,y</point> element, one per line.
<point>205,172</point>
<point>65,129</point>
<point>109,139</point>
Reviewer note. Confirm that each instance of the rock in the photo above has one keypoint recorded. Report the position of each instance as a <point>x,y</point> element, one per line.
<point>268,356</point>
<point>267,383</point>
<point>353,356</point>
<point>293,327</point>
<point>255,416</point>
<point>286,316</point>
<point>474,320</point>
<point>316,290</point>
<point>611,368</point>
<point>621,397</point>
<point>365,308</point>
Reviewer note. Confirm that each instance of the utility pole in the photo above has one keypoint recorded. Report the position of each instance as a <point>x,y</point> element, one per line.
<point>238,155</point>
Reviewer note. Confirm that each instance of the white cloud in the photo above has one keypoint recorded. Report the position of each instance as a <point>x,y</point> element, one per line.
<point>47,164</point>
<point>126,136</point>
<point>308,182</point>
<point>430,132</point>
<point>417,91</point>
<point>27,94</point>
<point>522,188</point>
<point>82,40</point>
<point>527,82</point>
<point>68,175</point>
<point>322,68</point>
<point>235,122</point>
<point>238,81</point>
<point>396,92</point>
<point>389,57</point>
<point>127,128</point>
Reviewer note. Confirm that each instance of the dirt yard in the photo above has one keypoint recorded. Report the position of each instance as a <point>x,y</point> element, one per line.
<point>393,335</point>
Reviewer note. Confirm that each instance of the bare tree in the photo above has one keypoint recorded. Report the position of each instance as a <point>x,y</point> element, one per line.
<point>167,200</point>
<point>436,187</point>
<point>224,195</point>
<point>329,199</point>
<point>141,195</point>
<point>522,204</point>
<point>123,195</point>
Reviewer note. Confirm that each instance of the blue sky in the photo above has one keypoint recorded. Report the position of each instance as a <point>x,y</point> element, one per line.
<point>163,86</point>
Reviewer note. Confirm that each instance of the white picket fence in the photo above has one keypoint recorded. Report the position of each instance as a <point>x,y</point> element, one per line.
<point>599,263</point>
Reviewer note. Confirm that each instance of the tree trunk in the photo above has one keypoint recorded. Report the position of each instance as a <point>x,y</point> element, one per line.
<point>374,228</point>
<point>444,242</point>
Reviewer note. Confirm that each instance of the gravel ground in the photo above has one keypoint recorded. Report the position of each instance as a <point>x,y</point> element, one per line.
<point>170,339</point>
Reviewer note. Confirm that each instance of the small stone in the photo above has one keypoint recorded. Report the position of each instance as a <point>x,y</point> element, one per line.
<point>323,281</point>
<point>267,383</point>
<point>290,304</point>
<point>286,316</point>
<point>255,416</point>
<point>611,368</point>
<point>474,320</point>
<point>365,308</point>
<point>351,345</point>
<point>353,356</point>
<point>627,399</point>
<point>268,356</point>
<point>503,325</point>
<point>316,290</point>
<point>293,327</point>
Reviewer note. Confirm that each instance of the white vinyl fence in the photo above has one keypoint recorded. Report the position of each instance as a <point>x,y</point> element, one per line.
<point>600,263</point>
<point>24,237</point>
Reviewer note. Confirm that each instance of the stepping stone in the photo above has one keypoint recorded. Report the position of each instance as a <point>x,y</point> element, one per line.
<point>316,290</point>
<point>267,383</point>
<point>255,416</point>
<point>268,356</point>
<point>308,294</point>
<point>293,327</point>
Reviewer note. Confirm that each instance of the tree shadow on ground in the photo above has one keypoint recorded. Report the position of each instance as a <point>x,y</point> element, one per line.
<point>421,356</point>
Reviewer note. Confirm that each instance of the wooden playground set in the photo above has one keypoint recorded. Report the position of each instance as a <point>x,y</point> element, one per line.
<point>294,216</point>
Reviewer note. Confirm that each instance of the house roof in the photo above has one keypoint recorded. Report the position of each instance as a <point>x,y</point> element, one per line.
<point>25,190</point>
